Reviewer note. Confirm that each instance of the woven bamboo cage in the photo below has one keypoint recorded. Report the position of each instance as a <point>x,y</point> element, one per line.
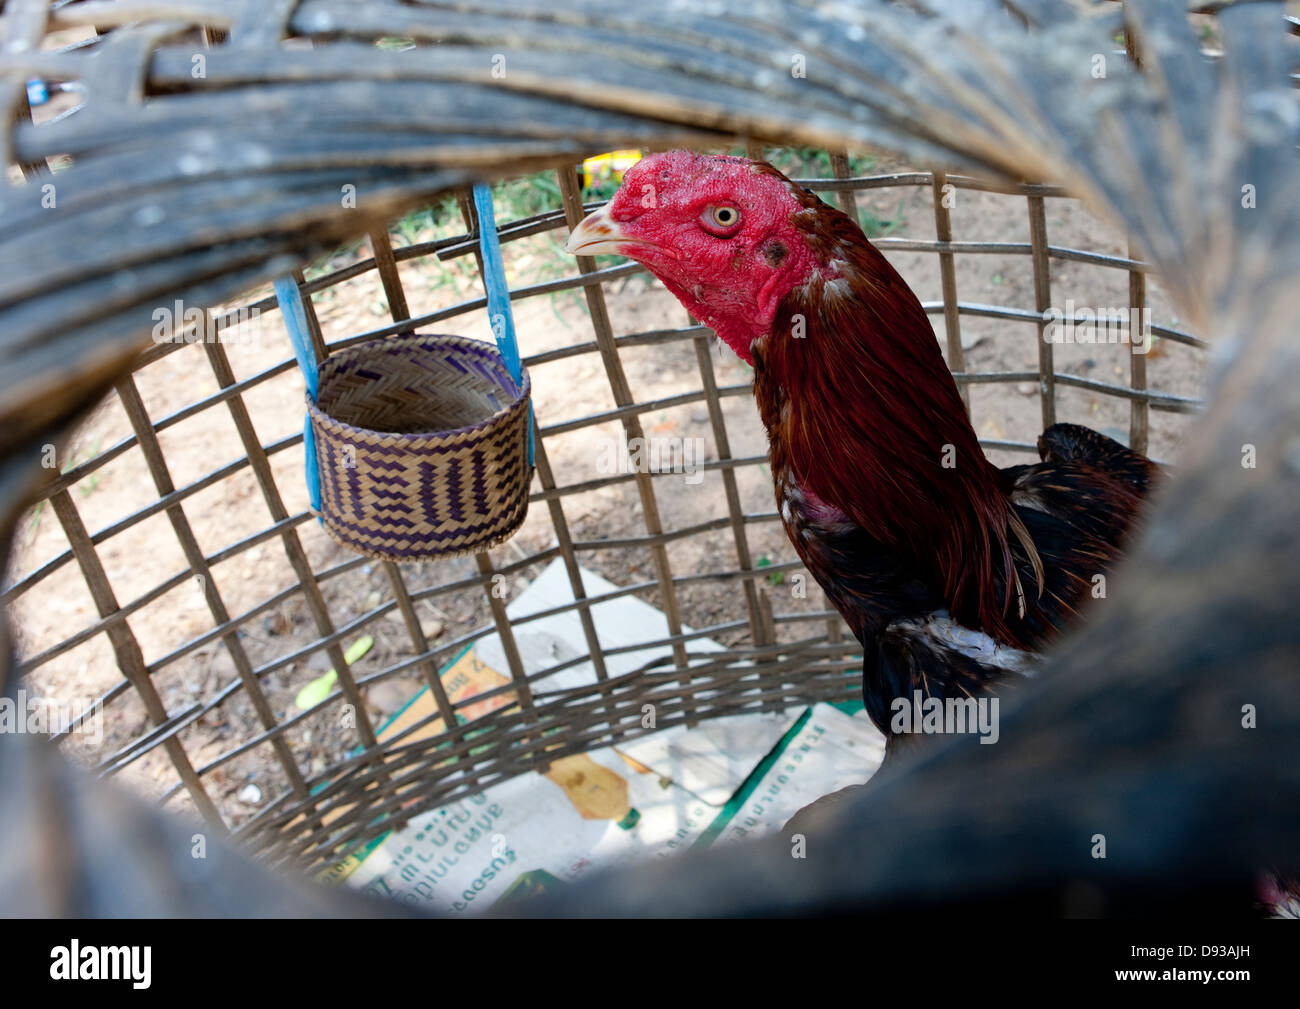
<point>257,148</point>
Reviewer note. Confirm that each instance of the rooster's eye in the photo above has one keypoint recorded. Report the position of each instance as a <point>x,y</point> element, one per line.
<point>721,220</point>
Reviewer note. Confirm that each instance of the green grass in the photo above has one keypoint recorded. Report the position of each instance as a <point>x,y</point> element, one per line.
<point>540,258</point>
<point>774,577</point>
<point>810,163</point>
<point>85,488</point>
<point>875,226</point>
<point>532,260</point>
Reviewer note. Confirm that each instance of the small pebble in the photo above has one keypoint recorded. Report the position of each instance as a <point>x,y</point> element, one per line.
<point>432,629</point>
<point>223,666</point>
<point>388,697</point>
<point>250,795</point>
<point>319,662</point>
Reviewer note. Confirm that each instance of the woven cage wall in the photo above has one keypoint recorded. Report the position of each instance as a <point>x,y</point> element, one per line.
<point>327,798</point>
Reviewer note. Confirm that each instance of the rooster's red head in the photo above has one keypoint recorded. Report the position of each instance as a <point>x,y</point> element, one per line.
<point>721,233</point>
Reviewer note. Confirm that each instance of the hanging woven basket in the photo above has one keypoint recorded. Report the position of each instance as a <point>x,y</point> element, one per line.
<point>422,447</point>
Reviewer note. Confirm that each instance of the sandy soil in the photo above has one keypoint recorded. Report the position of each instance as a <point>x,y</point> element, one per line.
<point>233,508</point>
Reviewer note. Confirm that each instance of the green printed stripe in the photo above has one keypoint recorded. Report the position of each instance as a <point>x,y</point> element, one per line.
<point>747,787</point>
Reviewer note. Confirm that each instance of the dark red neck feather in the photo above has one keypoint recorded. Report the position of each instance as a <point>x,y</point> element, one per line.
<point>865,413</point>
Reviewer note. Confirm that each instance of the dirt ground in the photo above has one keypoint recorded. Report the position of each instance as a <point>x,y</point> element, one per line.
<point>232,508</point>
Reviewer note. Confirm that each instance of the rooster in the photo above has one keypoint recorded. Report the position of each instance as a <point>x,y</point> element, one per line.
<point>950,571</point>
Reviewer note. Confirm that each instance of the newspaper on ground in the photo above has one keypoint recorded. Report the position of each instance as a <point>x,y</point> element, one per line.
<point>721,781</point>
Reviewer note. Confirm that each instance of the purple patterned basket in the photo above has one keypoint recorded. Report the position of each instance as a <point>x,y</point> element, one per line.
<point>422,447</point>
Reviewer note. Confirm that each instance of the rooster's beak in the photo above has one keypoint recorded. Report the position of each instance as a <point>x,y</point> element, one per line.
<point>598,234</point>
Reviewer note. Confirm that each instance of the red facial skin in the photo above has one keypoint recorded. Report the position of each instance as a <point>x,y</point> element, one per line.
<point>732,280</point>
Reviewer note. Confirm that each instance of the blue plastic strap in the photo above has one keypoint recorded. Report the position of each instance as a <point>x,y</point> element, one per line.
<point>295,321</point>
<point>498,295</point>
<point>499,314</point>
